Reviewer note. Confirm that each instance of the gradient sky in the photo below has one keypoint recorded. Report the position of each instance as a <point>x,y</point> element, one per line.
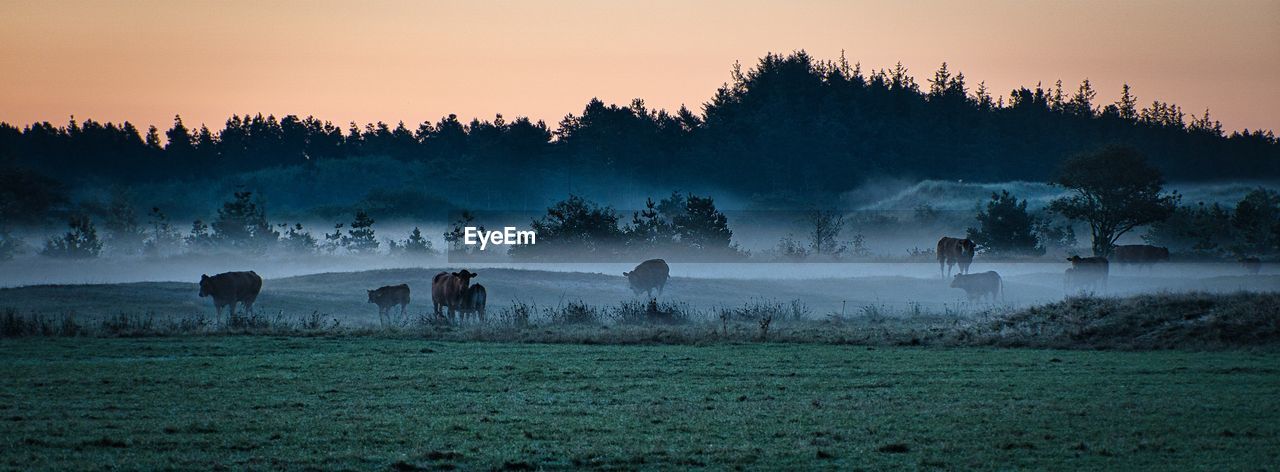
<point>145,61</point>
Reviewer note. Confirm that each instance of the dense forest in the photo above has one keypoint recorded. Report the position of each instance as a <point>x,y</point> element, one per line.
<point>791,122</point>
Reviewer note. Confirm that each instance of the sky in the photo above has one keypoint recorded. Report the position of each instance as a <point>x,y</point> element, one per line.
<point>145,61</point>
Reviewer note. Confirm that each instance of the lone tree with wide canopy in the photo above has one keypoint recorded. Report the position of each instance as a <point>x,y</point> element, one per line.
<point>1114,190</point>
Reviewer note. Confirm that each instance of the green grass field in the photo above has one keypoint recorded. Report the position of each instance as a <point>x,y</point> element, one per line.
<point>365,403</point>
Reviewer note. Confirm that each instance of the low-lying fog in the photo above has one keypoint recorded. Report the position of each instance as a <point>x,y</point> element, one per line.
<point>887,276</point>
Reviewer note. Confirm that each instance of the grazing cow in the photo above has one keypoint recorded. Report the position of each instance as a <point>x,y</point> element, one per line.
<point>953,251</point>
<point>1251,265</point>
<point>388,297</point>
<point>977,286</point>
<point>229,288</point>
<point>447,290</point>
<point>1087,272</point>
<point>649,275</point>
<point>473,302</point>
<point>1140,254</point>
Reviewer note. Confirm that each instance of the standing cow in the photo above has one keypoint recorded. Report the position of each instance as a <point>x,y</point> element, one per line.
<point>977,286</point>
<point>1139,254</point>
<point>473,302</point>
<point>229,288</point>
<point>447,290</point>
<point>388,297</point>
<point>953,251</point>
<point>1087,272</point>
<point>649,275</point>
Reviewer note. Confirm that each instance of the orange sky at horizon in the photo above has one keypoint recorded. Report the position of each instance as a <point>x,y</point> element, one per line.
<point>145,61</point>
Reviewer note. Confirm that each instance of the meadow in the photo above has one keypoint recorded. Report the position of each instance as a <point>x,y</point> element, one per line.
<point>362,403</point>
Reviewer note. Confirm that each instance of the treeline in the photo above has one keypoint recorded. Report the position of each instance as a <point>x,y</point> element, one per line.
<point>790,124</point>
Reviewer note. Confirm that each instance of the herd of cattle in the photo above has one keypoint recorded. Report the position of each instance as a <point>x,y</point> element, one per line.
<point>453,295</point>
<point>1088,273</point>
<point>455,298</point>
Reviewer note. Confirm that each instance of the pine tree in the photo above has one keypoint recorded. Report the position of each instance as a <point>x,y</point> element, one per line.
<point>1005,227</point>
<point>360,237</point>
<point>200,238</point>
<point>161,237</point>
<point>295,239</point>
<point>414,245</point>
<point>1128,105</point>
<point>242,224</point>
<point>81,242</point>
<point>1082,102</point>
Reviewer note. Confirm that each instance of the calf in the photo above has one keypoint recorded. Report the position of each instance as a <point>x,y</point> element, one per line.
<point>388,297</point>
<point>977,286</point>
<point>473,302</point>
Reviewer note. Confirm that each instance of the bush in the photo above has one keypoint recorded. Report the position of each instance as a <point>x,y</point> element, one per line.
<point>1006,228</point>
<point>81,242</point>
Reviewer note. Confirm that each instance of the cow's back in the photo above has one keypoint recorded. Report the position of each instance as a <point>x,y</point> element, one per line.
<point>392,295</point>
<point>652,273</point>
<point>236,286</point>
<point>1140,253</point>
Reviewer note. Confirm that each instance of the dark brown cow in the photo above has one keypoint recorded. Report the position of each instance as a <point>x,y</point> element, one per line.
<point>649,275</point>
<point>977,286</point>
<point>229,288</point>
<point>388,297</point>
<point>953,251</point>
<point>473,302</point>
<point>1251,265</point>
<point>1140,254</point>
<point>447,290</point>
<point>1087,272</point>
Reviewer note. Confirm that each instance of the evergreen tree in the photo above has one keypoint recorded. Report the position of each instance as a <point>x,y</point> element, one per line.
<point>702,226</point>
<point>360,238</point>
<point>161,237</point>
<point>200,238</point>
<point>1127,105</point>
<point>242,224</point>
<point>1006,228</point>
<point>81,242</point>
<point>414,245</point>
<point>296,240</point>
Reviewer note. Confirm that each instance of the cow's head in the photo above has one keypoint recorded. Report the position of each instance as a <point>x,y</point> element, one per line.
<point>968,246</point>
<point>465,277</point>
<point>204,285</point>
<point>371,299</point>
<point>956,281</point>
<point>1074,259</point>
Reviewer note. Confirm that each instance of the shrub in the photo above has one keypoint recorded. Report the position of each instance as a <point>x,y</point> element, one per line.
<point>81,242</point>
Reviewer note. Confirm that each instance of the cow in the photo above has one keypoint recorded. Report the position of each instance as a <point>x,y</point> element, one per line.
<point>977,286</point>
<point>953,251</point>
<point>649,275</point>
<point>388,297</point>
<point>447,290</point>
<point>1251,265</point>
<point>473,302</point>
<point>229,288</point>
<point>1139,254</point>
<point>1087,272</point>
